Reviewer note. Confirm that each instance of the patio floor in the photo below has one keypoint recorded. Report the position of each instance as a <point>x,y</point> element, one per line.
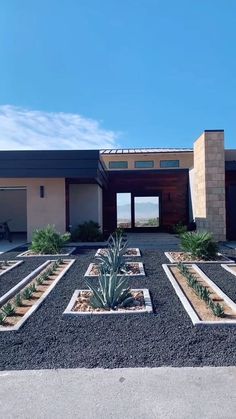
<point>18,240</point>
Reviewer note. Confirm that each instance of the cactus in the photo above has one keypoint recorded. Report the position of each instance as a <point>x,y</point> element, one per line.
<point>111,293</point>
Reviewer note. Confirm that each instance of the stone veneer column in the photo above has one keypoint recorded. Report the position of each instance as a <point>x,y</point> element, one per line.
<point>209,181</point>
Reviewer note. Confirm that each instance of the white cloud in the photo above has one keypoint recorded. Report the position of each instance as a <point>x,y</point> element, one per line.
<point>24,129</point>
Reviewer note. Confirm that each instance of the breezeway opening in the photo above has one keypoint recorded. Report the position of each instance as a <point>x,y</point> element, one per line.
<point>13,210</point>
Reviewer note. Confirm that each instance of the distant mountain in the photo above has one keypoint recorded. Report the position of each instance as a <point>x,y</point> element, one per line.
<point>143,210</point>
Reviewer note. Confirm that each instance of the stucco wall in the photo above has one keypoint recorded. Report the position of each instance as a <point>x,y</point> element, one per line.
<point>13,208</point>
<point>85,203</point>
<point>42,211</point>
<point>185,159</point>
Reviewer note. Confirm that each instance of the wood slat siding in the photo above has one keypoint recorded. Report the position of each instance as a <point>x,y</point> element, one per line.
<point>171,185</point>
<point>230,185</point>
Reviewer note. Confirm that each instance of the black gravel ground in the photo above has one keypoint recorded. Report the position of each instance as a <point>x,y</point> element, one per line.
<point>166,338</point>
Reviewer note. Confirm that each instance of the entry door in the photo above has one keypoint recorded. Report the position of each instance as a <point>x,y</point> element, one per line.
<point>146,212</point>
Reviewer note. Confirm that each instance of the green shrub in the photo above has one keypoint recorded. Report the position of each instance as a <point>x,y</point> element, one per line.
<point>48,241</point>
<point>199,244</point>
<point>111,293</point>
<point>179,228</point>
<point>89,231</point>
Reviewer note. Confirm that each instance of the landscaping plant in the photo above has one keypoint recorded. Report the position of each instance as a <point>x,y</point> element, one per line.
<point>8,309</point>
<point>111,293</point>
<point>201,290</point>
<point>89,231</point>
<point>179,228</point>
<point>27,293</point>
<point>2,317</point>
<point>18,300</point>
<point>48,241</point>
<point>199,244</point>
<point>113,260</point>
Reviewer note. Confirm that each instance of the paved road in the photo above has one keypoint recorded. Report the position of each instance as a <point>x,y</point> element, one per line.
<point>178,393</point>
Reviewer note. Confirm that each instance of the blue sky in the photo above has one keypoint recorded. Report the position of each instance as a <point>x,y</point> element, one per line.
<point>107,73</point>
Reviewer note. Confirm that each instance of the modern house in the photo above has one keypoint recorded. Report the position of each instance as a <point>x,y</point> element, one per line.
<point>137,189</point>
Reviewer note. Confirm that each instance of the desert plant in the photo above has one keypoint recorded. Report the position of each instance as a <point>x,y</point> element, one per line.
<point>89,231</point>
<point>201,290</point>
<point>18,300</point>
<point>179,228</point>
<point>48,240</point>
<point>2,317</point>
<point>111,293</point>
<point>8,309</point>
<point>199,244</point>
<point>113,259</point>
<point>27,293</point>
<point>117,240</point>
<point>33,287</point>
<point>40,280</point>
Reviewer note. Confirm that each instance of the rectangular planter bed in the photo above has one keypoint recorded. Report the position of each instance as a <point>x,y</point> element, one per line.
<point>131,252</point>
<point>75,308</point>
<point>197,309</point>
<point>29,305</point>
<point>65,251</point>
<point>134,269</point>
<point>8,265</point>
<point>230,268</point>
<point>175,257</point>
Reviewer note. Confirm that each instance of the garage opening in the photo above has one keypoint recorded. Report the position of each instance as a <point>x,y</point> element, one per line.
<point>13,213</point>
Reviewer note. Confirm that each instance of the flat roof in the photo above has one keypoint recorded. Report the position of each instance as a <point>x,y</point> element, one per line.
<point>145,150</point>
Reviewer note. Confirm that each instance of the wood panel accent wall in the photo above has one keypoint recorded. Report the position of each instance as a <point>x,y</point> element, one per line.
<point>171,185</point>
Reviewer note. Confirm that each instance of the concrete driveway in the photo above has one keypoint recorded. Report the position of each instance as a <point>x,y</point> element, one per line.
<point>178,393</point>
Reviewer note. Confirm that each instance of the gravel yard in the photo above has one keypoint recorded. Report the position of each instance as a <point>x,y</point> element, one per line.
<point>165,338</point>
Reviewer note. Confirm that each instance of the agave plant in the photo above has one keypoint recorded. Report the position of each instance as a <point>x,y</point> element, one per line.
<point>111,293</point>
<point>113,259</point>
<point>117,240</point>
<point>199,244</point>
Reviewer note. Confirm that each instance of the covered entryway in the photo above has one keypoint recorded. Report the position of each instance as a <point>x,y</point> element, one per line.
<point>231,212</point>
<point>230,180</point>
<point>13,212</point>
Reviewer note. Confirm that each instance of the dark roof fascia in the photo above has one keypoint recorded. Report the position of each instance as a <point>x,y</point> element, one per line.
<point>84,164</point>
<point>145,172</point>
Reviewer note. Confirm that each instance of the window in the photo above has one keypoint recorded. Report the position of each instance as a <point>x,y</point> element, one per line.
<point>144,164</point>
<point>123,205</point>
<point>118,165</point>
<point>169,163</point>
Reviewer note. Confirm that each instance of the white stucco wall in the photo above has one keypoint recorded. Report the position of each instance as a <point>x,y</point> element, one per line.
<point>42,211</point>
<point>85,204</point>
<point>13,207</point>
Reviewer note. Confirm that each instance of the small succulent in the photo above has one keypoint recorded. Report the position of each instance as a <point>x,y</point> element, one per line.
<point>9,309</point>
<point>33,287</point>
<point>27,293</point>
<point>2,317</point>
<point>18,300</point>
<point>40,280</point>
